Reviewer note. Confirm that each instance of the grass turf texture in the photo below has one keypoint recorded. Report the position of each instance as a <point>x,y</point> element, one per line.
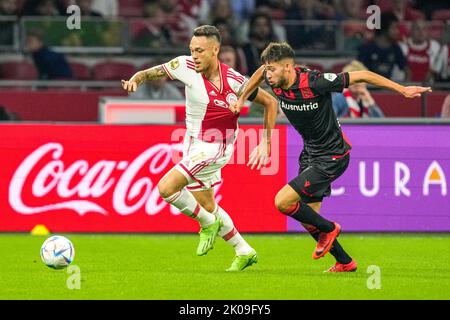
<point>413,266</point>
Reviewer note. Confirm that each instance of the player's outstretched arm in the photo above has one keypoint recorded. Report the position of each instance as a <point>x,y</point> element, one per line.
<point>380,81</point>
<point>154,73</point>
<point>253,83</point>
<point>260,155</point>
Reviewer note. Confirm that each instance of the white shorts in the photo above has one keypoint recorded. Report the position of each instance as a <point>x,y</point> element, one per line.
<point>202,162</point>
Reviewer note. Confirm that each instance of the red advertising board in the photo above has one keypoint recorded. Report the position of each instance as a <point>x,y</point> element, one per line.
<point>103,178</point>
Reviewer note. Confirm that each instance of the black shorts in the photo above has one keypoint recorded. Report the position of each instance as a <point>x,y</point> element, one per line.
<point>313,182</point>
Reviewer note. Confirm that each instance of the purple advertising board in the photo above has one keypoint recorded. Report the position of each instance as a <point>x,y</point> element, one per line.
<point>396,180</point>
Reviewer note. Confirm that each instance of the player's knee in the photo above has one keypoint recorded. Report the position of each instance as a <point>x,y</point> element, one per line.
<point>208,206</point>
<point>165,190</point>
<point>283,206</point>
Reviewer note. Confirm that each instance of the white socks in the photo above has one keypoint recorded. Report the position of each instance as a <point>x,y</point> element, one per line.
<point>186,203</point>
<point>230,234</point>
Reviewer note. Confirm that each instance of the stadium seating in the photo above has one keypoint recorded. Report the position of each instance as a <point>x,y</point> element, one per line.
<point>131,8</point>
<point>80,71</point>
<point>18,70</point>
<point>113,70</point>
<point>443,15</point>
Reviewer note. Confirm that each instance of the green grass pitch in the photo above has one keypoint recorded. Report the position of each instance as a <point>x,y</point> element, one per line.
<point>155,266</point>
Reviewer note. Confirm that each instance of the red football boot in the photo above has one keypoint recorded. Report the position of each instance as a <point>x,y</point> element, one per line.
<point>326,241</point>
<point>340,267</point>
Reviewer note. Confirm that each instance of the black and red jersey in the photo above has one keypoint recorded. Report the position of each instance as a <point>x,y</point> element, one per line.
<point>308,106</point>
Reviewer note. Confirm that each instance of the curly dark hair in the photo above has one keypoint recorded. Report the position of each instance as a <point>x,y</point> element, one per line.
<point>277,51</point>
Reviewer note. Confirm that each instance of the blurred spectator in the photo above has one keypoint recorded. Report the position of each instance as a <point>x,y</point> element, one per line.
<point>107,8</point>
<point>86,9</point>
<point>169,22</point>
<point>222,10</point>
<point>8,8</point>
<point>228,40</point>
<point>383,55</point>
<point>273,4</point>
<point>356,101</point>
<point>351,9</point>
<point>261,33</point>
<point>311,10</point>
<point>403,10</point>
<point>429,6</point>
<point>196,9</point>
<point>310,36</point>
<point>43,8</point>
<point>50,64</point>
<point>157,89</point>
<point>230,56</point>
<point>421,53</point>
<point>243,9</point>
<point>445,112</point>
<point>443,65</point>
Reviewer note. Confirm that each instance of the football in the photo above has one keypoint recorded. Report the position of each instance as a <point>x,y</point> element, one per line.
<point>57,252</point>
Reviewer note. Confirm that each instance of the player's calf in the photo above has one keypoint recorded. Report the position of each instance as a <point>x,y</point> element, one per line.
<point>303,213</point>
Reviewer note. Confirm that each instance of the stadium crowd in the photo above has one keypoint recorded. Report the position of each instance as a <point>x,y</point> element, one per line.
<point>411,45</point>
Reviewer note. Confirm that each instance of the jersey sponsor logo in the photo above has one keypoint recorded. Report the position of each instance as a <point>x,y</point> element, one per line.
<point>175,63</point>
<point>213,93</point>
<point>330,76</point>
<point>414,58</point>
<point>303,107</point>
<point>220,103</point>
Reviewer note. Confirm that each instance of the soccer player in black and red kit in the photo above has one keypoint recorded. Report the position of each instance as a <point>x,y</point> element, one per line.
<point>305,97</point>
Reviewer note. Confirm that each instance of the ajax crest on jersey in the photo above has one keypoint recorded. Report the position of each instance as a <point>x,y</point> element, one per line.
<point>231,98</point>
<point>57,252</point>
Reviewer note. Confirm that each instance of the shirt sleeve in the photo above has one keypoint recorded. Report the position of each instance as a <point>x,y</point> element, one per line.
<point>236,81</point>
<point>180,68</point>
<point>328,82</point>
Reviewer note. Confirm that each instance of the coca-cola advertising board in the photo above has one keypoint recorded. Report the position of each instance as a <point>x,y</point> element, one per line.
<point>103,178</point>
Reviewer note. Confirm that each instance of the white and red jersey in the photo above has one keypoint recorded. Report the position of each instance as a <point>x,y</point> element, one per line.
<point>207,115</point>
<point>421,58</point>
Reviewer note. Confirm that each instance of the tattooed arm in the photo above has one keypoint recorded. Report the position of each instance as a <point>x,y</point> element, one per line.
<point>154,73</point>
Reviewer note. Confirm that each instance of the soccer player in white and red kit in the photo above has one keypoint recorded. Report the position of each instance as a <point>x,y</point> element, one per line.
<point>210,88</point>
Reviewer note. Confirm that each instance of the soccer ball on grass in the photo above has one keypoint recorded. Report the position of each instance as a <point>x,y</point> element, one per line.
<point>57,252</point>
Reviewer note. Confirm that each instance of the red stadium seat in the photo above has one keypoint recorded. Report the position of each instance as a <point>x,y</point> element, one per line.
<point>18,70</point>
<point>80,71</point>
<point>113,71</point>
<point>442,14</point>
<point>131,8</point>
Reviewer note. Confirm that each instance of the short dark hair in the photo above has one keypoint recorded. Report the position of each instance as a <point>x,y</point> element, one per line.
<point>277,51</point>
<point>207,31</point>
<point>387,19</point>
